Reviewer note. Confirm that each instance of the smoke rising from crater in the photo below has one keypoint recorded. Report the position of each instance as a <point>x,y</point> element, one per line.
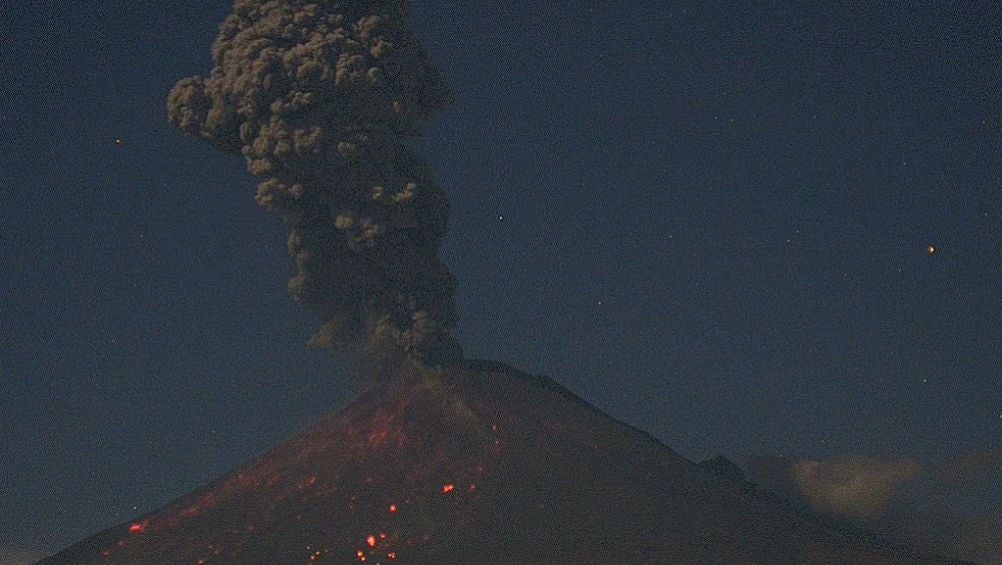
<point>319,97</point>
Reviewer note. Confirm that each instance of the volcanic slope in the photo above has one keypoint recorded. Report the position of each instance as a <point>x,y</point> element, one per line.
<point>477,463</point>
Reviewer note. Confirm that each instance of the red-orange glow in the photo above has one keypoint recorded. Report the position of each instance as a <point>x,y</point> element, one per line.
<point>205,503</point>
<point>392,556</point>
<point>136,528</point>
<point>361,555</point>
<point>370,540</point>
<point>393,509</point>
<point>377,437</point>
<point>446,489</point>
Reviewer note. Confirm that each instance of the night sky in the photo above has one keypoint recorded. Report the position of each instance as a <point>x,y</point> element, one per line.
<point>711,221</point>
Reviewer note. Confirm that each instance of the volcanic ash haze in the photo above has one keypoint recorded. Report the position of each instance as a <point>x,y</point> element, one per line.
<point>318,97</point>
<point>477,463</point>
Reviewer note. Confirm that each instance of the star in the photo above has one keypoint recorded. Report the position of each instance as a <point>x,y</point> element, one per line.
<point>930,250</point>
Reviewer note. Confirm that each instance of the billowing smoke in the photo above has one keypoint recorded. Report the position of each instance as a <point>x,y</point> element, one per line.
<point>319,96</point>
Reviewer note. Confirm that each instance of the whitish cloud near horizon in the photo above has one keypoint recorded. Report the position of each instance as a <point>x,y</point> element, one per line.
<point>857,488</point>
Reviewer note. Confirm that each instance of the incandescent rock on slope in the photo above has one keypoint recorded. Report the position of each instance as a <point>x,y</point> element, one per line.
<point>476,464</point>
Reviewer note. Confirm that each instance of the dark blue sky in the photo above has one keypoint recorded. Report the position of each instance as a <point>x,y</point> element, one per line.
<point>709,220</point>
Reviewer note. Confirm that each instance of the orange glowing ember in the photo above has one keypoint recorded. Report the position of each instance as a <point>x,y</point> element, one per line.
<point>370,540</point>
<point>446,489</point>
<point>392,556</point>
<point>361,555</point>
<point>393,509</point>
<point>136,528</point>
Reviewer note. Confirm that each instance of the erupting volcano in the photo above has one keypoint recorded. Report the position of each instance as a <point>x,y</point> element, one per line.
<point>476,463</point>
<point>442,460</point>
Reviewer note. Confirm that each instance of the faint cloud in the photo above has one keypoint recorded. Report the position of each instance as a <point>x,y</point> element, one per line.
<point>853,487</point>
<point>974,470</point>
<point>951,511</point>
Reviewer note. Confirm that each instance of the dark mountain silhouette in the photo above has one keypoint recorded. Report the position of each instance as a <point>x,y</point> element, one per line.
<point>477,463</point>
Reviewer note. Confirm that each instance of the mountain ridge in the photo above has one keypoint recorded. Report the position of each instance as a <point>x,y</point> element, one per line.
<point>478,462</point>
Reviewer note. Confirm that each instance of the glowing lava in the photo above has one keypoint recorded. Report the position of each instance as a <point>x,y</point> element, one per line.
<point>466,502</point>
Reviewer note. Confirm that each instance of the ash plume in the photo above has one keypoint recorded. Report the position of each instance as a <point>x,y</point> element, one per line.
<point>319,97</point>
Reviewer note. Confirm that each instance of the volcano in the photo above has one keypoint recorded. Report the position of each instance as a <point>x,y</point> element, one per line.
<point>477,463</point>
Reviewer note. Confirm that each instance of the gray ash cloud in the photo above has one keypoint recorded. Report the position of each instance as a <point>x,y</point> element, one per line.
<point>320,98</point>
